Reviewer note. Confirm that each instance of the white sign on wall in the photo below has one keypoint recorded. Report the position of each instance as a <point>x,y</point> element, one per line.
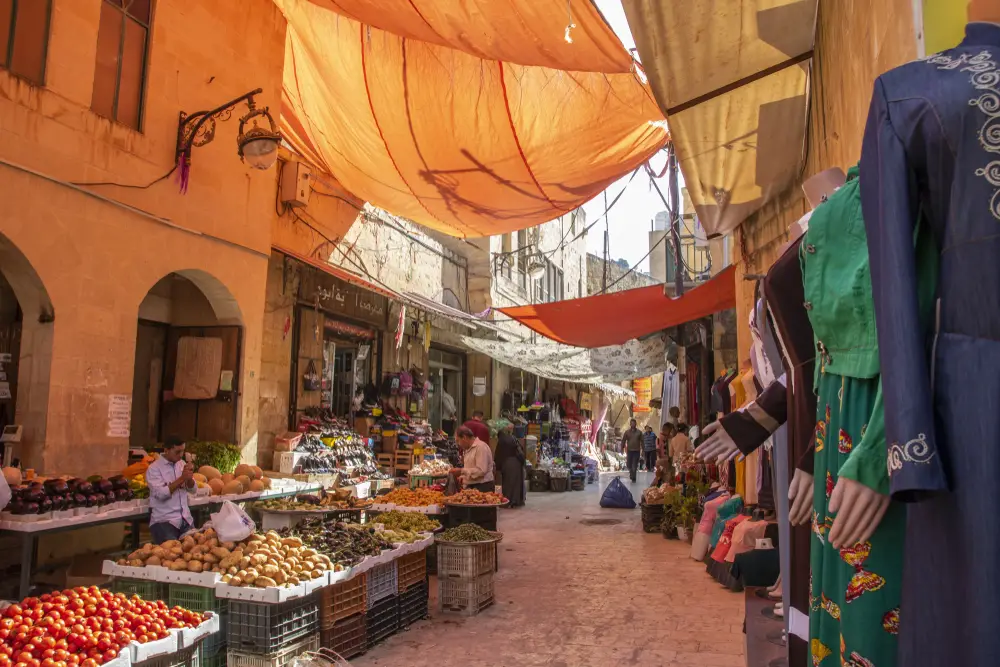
<point>119,415</point>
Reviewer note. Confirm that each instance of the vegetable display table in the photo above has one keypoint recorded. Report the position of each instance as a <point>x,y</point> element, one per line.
<point>29,531</point>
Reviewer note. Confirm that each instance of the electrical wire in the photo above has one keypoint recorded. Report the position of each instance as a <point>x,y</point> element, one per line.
<point>127,185</point>
<point>632,269</point>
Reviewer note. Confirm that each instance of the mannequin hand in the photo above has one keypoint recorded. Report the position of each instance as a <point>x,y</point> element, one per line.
<point>718,445</point>
<point>800,497</point>
<point>859,510</point>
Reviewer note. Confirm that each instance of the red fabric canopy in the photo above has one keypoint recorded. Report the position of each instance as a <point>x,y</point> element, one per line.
<point>612,319</point>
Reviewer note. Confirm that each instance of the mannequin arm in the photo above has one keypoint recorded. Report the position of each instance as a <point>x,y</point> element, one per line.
<point>861,496</point>
<point>749,427</point>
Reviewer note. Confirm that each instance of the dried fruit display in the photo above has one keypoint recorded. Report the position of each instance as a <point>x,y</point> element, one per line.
<point>412,497</point>
<point>467,532</point>
<point>345,543</point>
<point>83,627</point>
<point>411,521</point>
<point>475,497</point>
<point>434,467</point>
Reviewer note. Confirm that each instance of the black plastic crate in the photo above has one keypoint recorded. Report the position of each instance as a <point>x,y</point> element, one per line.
<point>261,627</point>
<point>381,620</point>
<point>346,516</point>
<point>347,638</point>
<point>413,605</point>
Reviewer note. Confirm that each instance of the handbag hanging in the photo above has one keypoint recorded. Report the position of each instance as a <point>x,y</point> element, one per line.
<point>310,379</point>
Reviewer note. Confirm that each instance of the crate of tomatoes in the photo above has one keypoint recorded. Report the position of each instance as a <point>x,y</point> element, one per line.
<point>89,627</point>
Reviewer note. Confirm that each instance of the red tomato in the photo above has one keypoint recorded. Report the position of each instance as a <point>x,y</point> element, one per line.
<point>25,656</point>
<point>48,643</point>
<point>74,659</point>
<point>49,653</point>
<point>89,662</point>
<point>109,655</point>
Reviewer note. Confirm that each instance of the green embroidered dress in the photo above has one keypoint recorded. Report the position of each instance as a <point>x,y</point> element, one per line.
<point>854,591</point>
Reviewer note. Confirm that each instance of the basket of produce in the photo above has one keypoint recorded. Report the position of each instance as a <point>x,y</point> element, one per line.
<point>423,500</point>
<point>411,521</point>
<point>346,544</point>
<point>466,551</point>
<point>475,498</point>
<point>559,484</point>
<point>428,473</point>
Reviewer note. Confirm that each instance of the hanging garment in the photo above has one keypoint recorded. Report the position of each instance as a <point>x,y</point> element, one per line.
<point>856,589</point>
<point>694,398</point>
<point>792,332</point>
<point>745,538</point>
<point>726,540</point>
<point>930,148</point>
<point>729,509</point>
<point>671,396</point>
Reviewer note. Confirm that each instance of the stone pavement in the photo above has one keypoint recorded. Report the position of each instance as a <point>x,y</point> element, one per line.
<point>570,594</point>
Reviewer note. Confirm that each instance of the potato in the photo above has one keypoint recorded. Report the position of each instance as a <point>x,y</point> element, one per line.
<point>258,559</point>
<point>186,557</point>
<point>316,574</point>
<point>159,552</point>
<point>135,562</point>
<point>279,577</point>
<point>212,542</point>
<point>122,561</point>
<point>272,534</point>
<point>170,544</point>
<point>264,582</point>
<point>293,581</point>
<point>308,552</point>
<point>211,559</point>
<point>245,562</point>
<point>178,565</point>
<point>188,543</point>
<point>291,542</point>
<point>236,581</point>
<point>241,574</point>
<point>228,545</point>
<point>138,554</point>
<point>153,560</point>
<point>195,566</point>
<point>250,578</point>
<point>177,551</point>
<point>200,549</point>
<point>226,578</point>
<point>270,571</point>
<point>232,570</point>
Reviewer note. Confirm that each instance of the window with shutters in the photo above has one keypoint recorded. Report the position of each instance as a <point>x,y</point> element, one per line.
<point>24,37</point>
<point>122,50</point>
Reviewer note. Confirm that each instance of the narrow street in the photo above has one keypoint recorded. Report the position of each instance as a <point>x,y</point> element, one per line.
<point>571,593</point>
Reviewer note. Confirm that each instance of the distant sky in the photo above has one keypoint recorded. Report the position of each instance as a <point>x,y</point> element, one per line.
<point>630,218</point>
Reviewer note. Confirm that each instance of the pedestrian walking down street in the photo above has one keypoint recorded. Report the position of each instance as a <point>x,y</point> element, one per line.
<point>649,448</point>
<point>632,444</point>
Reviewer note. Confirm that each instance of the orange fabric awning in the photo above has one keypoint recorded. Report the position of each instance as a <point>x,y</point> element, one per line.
<point>613,319</point>
<point>446,132</point>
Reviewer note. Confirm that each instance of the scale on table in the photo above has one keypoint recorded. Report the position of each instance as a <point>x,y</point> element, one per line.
<point>11,436</point>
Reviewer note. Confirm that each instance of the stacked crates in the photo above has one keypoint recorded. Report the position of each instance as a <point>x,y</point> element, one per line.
<point>465,576</point>
<point>212,652</point>
<point>382,614</point>
<point>342,617</point>
<point>413,589</point>
<point>261,634</point>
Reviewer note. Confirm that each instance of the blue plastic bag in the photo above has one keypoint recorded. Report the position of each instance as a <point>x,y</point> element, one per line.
<point>617,496</point>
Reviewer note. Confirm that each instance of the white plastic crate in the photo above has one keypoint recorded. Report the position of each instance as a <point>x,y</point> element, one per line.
<point>382,582</point>
<point>282,658</point>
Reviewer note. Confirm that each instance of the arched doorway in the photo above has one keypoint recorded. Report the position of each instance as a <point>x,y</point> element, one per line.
<point>187,361</point>
<point>27,319</point>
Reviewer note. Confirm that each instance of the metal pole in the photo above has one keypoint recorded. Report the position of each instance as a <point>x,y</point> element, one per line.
<point>675,220</point>
<point>607,247</point>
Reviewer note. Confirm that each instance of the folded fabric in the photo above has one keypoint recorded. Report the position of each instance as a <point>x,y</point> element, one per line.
<point>726,540</point>
<point>745,538</point>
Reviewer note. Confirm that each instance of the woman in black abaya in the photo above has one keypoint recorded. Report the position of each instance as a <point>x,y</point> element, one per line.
<point>509,459</point>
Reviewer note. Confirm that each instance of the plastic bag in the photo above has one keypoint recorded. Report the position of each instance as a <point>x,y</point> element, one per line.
<point>232,524</point>
<point>617,496</point>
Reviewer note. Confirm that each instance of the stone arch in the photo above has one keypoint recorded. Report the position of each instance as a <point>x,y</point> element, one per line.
<point>29,377</point>
<point>220,298</point>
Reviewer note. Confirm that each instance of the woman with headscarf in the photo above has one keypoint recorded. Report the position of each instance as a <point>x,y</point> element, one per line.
<point>509,458</point>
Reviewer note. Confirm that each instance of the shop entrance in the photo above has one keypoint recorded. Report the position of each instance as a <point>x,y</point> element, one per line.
<point>187,362</point>
<point>26,326</point>
<point>446,404</point>
<point>346,371</point>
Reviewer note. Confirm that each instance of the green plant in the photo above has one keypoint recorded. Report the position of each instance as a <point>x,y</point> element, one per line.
<point>672,502</point>
<point>222,456</point>
<point>689,511</point>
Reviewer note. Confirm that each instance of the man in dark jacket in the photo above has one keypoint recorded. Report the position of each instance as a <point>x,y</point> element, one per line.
<point>478,426</point>
<point>632,444</point>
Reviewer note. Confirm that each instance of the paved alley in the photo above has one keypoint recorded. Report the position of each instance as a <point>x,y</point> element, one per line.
<point>578,594</point>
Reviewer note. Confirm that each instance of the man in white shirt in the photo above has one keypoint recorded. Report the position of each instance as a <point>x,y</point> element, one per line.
<point>169,479</point>
<point>477,470</point>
